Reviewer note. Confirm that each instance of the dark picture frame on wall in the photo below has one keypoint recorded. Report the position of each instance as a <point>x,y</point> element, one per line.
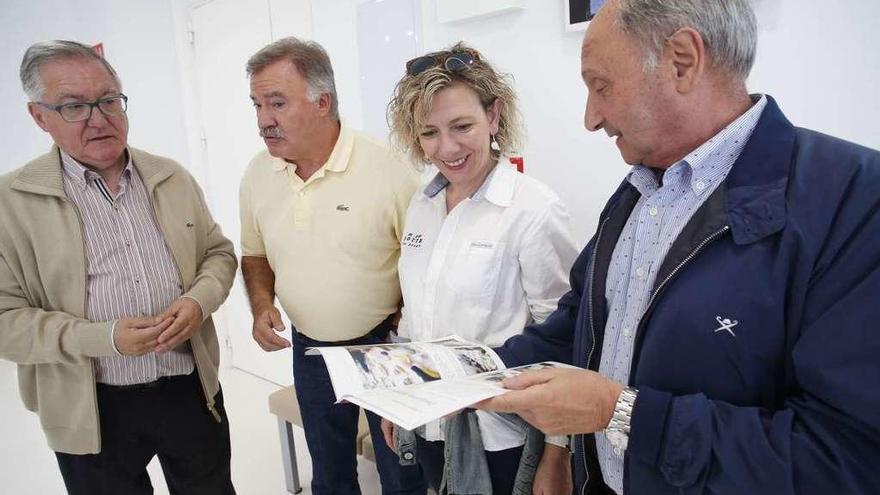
<point>579,12</point>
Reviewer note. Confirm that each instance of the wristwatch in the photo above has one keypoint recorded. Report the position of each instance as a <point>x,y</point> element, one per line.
<point>617,430</point>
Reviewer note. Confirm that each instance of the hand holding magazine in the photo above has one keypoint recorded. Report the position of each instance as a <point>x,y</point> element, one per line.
<point>414,383</point>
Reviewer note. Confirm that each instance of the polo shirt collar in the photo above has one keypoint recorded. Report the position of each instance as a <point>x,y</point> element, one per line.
<point>339,157</point>
<point>341,154</point>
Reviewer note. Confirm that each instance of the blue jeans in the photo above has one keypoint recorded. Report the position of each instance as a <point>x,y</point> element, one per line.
<point>331,429</point>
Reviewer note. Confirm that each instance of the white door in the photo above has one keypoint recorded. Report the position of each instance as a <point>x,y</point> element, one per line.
<point>225,34</point>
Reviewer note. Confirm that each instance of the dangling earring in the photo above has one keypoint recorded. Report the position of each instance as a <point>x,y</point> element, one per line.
<point>493,144</point>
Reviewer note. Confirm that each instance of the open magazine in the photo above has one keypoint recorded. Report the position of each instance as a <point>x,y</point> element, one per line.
<point>414,383</point>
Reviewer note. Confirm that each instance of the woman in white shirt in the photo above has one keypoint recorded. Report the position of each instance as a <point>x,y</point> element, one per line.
<point>486,250</point>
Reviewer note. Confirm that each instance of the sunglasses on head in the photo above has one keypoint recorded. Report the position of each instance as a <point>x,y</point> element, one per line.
<point>451,61</point>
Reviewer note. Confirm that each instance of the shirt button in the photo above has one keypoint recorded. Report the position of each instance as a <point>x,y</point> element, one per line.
<point>407,456</point>
<point>700,185</point>
<point>640,272</point>
<point>627,332</point>
<point>653,211</point>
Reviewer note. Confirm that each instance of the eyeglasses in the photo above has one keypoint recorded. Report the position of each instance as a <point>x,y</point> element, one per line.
<point>451,61</point>
<point>77,112</point>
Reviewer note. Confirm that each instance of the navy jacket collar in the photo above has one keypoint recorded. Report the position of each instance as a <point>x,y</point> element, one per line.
<point>755,189</point>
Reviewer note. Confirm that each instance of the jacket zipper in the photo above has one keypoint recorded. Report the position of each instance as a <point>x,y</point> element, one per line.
<point>593,335</point>
<point>685,261</point>
<point>208,400</point>
<point>656,293</point>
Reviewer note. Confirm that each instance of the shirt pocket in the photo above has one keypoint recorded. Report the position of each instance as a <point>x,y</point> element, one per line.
<point>478,268</point>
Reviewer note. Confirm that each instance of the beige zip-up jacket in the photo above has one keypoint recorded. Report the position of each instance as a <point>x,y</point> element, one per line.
<point>43,289</point>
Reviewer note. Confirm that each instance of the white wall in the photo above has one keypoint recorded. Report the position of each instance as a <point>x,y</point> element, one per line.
<point>820,60</point>
<point>138,39</point>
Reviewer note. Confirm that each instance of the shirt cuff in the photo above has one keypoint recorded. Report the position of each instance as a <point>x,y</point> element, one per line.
<point>202,308</point>
<point>113,337</point>
<point>557,440</point>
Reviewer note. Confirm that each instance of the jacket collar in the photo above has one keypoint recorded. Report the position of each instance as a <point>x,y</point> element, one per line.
<point>43,175</point>
<point>756,187</point>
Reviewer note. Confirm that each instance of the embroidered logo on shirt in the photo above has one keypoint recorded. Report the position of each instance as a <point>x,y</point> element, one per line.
<point>482,244</point>
<point>726,324</point>
<point>412,240</point>
<point>342,207</point>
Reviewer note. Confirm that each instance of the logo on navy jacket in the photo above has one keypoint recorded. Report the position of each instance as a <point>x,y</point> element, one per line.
<point>726,325</point>
<point>412,239</point>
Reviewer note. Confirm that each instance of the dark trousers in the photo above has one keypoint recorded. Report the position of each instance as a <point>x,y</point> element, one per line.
<point>503,465</point>
<point>331,429</point>
<point>167,418</point>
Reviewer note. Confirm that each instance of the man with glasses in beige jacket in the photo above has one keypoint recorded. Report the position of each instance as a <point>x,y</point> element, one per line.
<point>110,267</point>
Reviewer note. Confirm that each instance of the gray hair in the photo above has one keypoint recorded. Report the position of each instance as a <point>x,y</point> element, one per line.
<point>728,27</point>
<point>310,60</point>
<point>43,52</point>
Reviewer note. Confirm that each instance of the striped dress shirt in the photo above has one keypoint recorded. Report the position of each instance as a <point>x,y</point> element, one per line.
<point>658,217</point>
<point>129,268</point>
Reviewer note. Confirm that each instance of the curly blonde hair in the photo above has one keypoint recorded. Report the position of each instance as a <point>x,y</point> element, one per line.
<point>413,96</point>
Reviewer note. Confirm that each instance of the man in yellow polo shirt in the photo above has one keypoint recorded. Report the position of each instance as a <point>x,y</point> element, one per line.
<point>322,211</point>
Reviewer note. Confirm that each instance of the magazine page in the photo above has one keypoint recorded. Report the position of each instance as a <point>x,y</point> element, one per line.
<point>355,369</point>
<point>413,406</point>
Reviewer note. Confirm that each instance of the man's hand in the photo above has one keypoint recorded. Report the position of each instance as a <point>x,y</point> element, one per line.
<point>388,431</point>
<point>266,323</point>
<point>187,315</point>
<point>554,472</point>
<point>559,401</point>
<point>138,336</point>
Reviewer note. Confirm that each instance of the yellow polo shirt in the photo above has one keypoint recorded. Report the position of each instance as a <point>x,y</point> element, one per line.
<point>333,241</point>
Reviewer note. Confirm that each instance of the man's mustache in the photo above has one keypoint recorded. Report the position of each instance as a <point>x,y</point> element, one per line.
<point>271,132</point>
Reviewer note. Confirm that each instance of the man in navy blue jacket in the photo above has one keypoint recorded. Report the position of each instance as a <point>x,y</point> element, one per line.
<point>726,311</point>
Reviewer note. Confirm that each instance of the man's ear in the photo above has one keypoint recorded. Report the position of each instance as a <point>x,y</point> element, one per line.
<point>325,102</point>
<point>39,115</point>
<point>686,51</point>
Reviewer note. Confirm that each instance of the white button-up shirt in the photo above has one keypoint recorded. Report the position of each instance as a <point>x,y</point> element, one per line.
<point>494,264</point>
